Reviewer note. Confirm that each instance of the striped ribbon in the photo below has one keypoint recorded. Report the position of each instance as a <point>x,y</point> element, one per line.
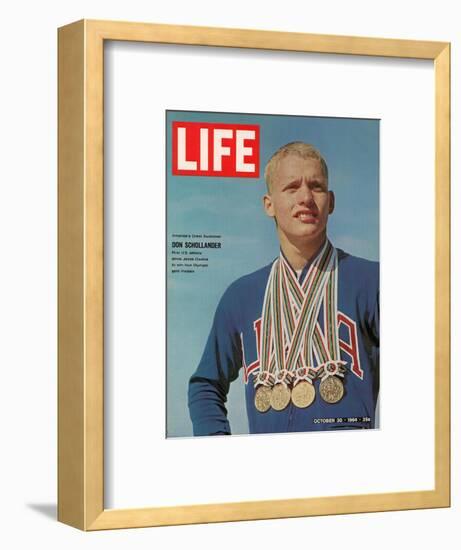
<point>290,333</point>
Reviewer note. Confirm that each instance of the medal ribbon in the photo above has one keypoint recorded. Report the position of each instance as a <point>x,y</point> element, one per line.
<point>265,375</point>
<point>289,318</point>
<point>328,353</point>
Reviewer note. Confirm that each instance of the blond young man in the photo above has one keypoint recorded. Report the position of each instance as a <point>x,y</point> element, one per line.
<point>304,329</point>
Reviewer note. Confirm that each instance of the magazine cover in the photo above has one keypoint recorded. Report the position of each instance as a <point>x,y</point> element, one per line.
<point>272,273</point>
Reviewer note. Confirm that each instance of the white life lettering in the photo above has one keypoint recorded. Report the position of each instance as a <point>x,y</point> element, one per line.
<point>184,164</point>
<point>219,150</point>
<point>242,151</point>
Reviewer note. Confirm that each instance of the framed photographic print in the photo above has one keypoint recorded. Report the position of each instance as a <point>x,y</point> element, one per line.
<point>253,246</point>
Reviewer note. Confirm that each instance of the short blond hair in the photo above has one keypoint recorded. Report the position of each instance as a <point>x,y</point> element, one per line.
<point>299,148</point>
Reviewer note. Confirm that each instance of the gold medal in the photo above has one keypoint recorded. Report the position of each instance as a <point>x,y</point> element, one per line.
<point>332,389</point>
<point>303,394</point>
<point>280,397</point>
<point>263,398</point>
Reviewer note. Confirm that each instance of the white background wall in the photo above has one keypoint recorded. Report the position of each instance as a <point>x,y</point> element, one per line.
<point>28,274</point>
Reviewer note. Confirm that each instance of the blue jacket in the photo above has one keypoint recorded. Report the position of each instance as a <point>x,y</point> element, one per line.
<point>233,344</point>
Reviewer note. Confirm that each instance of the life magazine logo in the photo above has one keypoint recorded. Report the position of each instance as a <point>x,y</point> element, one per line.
<point>215,149</point>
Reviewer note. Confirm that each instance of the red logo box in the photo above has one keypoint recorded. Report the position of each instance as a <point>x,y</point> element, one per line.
<point>215,149</point>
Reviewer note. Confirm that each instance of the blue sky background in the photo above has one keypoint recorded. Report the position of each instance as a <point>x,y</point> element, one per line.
<point>232,207</point>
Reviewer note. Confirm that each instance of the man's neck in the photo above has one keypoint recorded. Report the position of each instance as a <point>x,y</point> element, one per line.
<point>299,255</point>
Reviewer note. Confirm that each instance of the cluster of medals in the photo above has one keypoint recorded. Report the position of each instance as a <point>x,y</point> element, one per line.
<point>291,336</point>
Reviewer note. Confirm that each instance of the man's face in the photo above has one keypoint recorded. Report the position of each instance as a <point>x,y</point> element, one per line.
<point>300,201</point>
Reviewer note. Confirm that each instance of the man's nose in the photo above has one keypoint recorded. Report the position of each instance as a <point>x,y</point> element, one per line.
<point>305,195</point>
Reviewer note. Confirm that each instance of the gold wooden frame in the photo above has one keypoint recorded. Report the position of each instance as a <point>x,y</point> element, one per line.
<point>81,265</point>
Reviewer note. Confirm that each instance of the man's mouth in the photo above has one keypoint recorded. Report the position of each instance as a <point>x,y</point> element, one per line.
<point>307,216</point>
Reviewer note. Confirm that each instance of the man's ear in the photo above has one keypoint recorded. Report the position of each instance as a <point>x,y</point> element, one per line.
<point>331,206</point>
<point>268,206</point>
